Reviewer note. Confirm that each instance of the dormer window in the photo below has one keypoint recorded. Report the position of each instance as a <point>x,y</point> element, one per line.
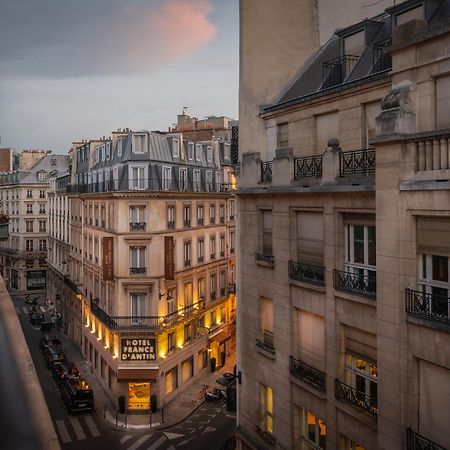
<point>226,151</point>
<point>209,154</point>
<point>53,161</point>
<point>415,13</point>
<point>198,152</point>
<point>175,148</point>
<point>139,143</point>
<point>41,175</point>
<point>190,151</point>
<point>354,44</point>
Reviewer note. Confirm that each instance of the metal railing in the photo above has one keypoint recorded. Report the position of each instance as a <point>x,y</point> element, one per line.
<point>427,306</point>
<point>307,272</point>
<point>305,372</point>
<point>138,226</point>
<point>415,441</point>
<point>365,285</point>
<point>138,270</point>
<point>308,166</point>
<point>357,162</point>
<point>265,258</point>
<point>171,224</point>
<point>266,172</point>
<point>358,399</point>
<point>336,70</point>
<point>381,60</point>
<point>187,222</point>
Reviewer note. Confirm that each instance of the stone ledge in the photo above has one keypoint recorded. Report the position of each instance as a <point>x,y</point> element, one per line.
<point>308,387</point>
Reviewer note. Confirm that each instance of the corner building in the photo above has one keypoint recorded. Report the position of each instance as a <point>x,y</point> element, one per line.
<point>152,262</point>
<point>344,219</point>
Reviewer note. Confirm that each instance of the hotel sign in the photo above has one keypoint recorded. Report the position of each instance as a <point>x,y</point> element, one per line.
<point>136,349</point>
<point>169,262</point>
<point>108,258</point>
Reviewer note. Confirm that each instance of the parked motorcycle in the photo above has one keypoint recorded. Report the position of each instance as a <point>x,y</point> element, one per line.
<point>29,300</point>
<point>214,396</point>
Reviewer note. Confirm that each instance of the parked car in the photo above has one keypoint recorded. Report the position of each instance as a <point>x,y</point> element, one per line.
<point>54,355</point>
<point>49,341</point>
<point>77,395</point>
<point>31,300</point>
<point>35,319</point>
<point>64,370</point>
<point>225,379</point>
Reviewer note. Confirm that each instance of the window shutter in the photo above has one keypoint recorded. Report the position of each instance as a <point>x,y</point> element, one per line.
<point>361,344</point>
<point>310,238</point>
<point>433,235</point>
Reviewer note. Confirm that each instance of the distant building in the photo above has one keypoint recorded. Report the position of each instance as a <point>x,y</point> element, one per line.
<point>6,159</point>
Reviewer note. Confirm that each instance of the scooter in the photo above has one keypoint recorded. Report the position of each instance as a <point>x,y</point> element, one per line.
<point>214,396</point>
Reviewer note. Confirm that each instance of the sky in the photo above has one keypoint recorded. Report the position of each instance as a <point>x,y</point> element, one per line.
<point>79,69</point>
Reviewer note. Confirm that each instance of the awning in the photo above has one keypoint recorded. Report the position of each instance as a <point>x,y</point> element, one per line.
<point>137,375</point>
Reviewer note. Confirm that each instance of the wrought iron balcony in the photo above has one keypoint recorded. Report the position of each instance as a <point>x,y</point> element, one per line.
<point>365,285</point>
<point>264,258</point>
<point>138,270</point>
<point>428,306</point>
<point>336,70</point>
<point>187,222</point>
<point>200,221</point>
<point>308,166</point>
<point>138,226</point>
<point>357,162</point>
<point>171,224</point>
<point>200,259</point>
<point>306,373</point>
<point>307,273</point>
<point>358,399</point>
<point>415,441</point>
<point>266,172</point>
<point>187,263</point>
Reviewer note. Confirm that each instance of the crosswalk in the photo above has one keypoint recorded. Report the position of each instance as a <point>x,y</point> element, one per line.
<point>149,441</point>
<point>76,429</point>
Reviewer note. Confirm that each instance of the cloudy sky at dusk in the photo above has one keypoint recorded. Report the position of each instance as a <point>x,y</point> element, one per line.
<point>78,69</point>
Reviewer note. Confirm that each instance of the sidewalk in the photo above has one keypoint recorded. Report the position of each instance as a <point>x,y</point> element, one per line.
<point>182,406</point>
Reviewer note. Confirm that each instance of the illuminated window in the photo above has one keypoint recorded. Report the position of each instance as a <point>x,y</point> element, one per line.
<point>361,375</point>
<point>348,444</point>
<point>312,431</point>
<point>171,378</point>
<point>266,408</point>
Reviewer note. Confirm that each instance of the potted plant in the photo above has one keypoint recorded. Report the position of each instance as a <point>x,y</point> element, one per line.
<point>212,362</point>
<point>4,224</point>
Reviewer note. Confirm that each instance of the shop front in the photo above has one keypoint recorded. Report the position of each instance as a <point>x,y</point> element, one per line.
<point>35,280</point>
<point>219,345</point>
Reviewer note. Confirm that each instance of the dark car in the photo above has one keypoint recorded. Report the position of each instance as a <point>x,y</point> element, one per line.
<point>36,319</point>
<point>54,355</point>
<point>225,379</point>
<point>64,370</point>
<point>77,395</point>
<point>49,341</point>
<point>29,300</point>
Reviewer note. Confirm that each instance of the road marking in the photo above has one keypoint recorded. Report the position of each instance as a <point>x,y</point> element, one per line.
<point>125,439</point>
<point>91,425</point>
<point>63,432</point>
<point>77,428</point>
<point>25,310</point>
<point>173,435</point>
<point>186,441</point>
<point>156,444</point>
<point>42,309</point>
<point>139,442</point>
<point>208,430</point>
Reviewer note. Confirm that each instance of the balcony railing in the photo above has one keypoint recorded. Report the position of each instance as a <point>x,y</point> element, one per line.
<point>264,258</point>
<point>308,166</point>
<point>138,270</point>
<point>187,263</point>
<point>358,399</point>
<point>430,151</point>
<point>138,226</point>
<point>307,273</point>
<point>304,372</point>
<point>200,221</point>
<point>415,441</point>
<point>266,172</point>
<point>336,70</point>
<point>171,224</point>
<point>365,285</point>
<point>187,222</point>
<point>428,306</point>
<point>357,162</point>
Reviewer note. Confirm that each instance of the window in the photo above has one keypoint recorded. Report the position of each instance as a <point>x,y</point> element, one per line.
<point>222,245</point>
<point>201,288</point>
<point>138,180</point>
<point>137,260</point>
<point>443,102</point>
<point>171,216</point>
<point>171,341</point>
<point>139,143</point>
<point>166,178</point>
<point>171,378</point>
<point>200,214</point>
<point>313,431</point>
<point>222,213</point>
<point>347,444</point>
<point>187,333</point>
<point>183,179</point>
<point>267,233</point>
<point>327,127</point>
<point>41,194</point>
<point>209,154</point>
<point>170,300</point>
<point>108,151</point>
<point>354,44</point>
<point>187,369</point>
<point>411,14</point>
<point>212,246</point>
<point>213,285</point>
<point>232,241</point>
<point>200,249</point>
<point>29,194</point>
<point>360,253</point>
<point>42,245</point>
<point>282,135</point>
<point>202,359</point>
<point>119,147</point>
<point>208,181</point>
<point>196,180</point>
<point>175,148</point>
<point>187,253</point>
<point>361,375</point>
<point>137,218</point>
<point>29,226</point>
<point>231,208</point>
<point>190,151</point>
<point>41,175</point>
<point>29,245</point>
<point>212,213</point>
<point>188,294</point>
<point>187,215</point>
<point>310,238</point>
<point>266,408</point>
<point>198,152</point>
<point>29,208</point>
<point>222,281</point>
<point>218,181</point>
<point>213,318</point>
<point>266,321</point>
<point>138,308</point>
<point>226,151</point>
<point>311,338</point>
<point>42,208</point>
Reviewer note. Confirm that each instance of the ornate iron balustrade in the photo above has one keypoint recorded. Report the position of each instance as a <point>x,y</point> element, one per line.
<point>336,70</point>
<point>265,258</point>
<point>308,166</point>
<point>358,399</point>
<point>415,441</point>
<point>187,222</point>
<point>357,161</point>
<point>266,172</point>
<point>381,60</point>
<point>365,285</point>
<point>307,272</point>
<point>137,226</point>
<point>171,224</point>
<point>268,437</point>
<point>427,306</point>
<point>200,221</point>
<point>304,372</point>
<point>138,270</point>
